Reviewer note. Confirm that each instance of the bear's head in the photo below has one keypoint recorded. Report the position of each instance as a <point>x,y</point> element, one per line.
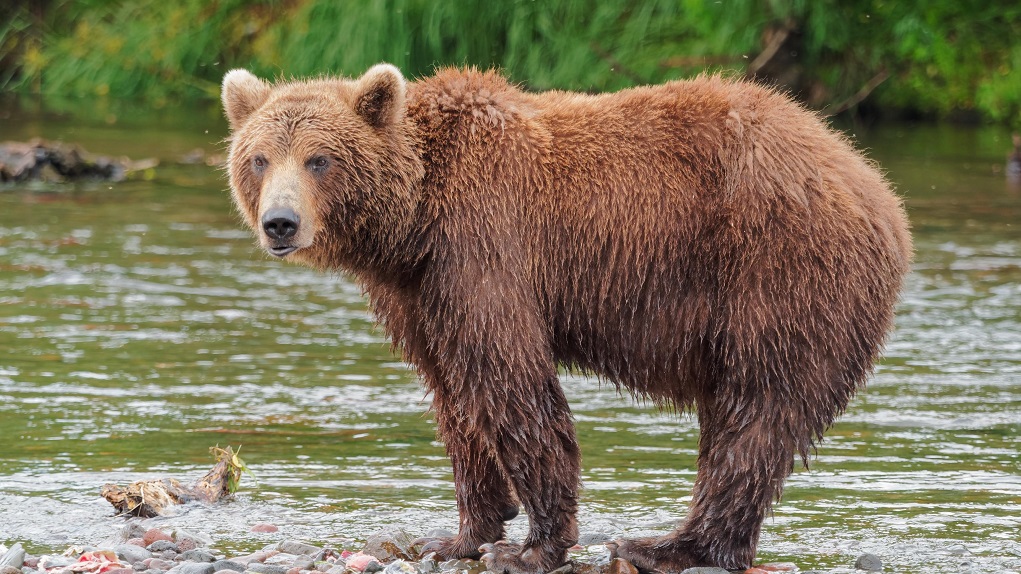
<point>324,171</point>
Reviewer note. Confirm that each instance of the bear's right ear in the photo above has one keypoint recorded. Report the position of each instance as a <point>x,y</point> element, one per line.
<point>242,94</point>
<point>379,95</point>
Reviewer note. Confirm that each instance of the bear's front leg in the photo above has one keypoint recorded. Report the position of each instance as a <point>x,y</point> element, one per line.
<point>538,452</point>
<point>484,499</point>
<point>500,406</point>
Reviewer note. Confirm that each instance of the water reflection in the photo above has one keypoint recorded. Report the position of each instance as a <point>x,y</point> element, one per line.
<point>141,326</point>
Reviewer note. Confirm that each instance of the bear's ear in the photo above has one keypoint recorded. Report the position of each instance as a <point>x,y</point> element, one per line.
<point>242,94</point>
<point>379,95</point>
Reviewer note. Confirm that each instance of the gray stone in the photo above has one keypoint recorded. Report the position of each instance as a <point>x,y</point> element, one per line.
<point>338,569</point>
<point>195,568</point>
<point>298,547</point>
<point>153,571</point>
<point>196,555</point>
<point>303,563</point>
<point>705,570</point>
<point>259,568</point>
<point>162,546</point>
<point>869,562</point>
<point>390,544</point>
<point>28,570</point>
<point>228,565</point>
<point>131,553</point>
<point>400,567</point>
<point>49,562</point>
<point>373,566</point>
<point>281,559</point>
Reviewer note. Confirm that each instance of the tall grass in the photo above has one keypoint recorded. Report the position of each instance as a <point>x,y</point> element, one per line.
<point>936,56</point>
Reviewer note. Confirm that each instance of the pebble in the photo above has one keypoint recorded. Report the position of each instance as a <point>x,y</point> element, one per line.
<point>162,545</point>
<point>159,564</point>
<point>389,545</point>
<point>264,528</point>
<point>196,555</point>
<point>221,565</point>
<point>10,570</point>
<point>869,562</point>
<point>154,534</point>
<point>131,553</point>
<point>195,568</point>
<point>297,547</point>
<point>260,568</point>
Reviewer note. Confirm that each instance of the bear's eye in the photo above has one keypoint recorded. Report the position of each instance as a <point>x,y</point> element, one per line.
<point>318,164</point>
<point>259,163</point>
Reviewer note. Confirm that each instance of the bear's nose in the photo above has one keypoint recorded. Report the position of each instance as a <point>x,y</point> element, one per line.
<point>280,223</point>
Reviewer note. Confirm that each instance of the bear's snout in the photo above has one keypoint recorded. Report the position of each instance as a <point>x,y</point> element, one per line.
<point>280,224</point>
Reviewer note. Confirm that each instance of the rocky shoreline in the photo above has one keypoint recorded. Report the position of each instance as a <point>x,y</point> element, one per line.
<point>141,550</point>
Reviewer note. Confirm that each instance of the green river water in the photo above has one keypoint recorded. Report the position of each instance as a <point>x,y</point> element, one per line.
<point>139,326</point>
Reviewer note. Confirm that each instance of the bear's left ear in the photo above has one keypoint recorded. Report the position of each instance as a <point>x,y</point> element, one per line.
<point>379,95</point>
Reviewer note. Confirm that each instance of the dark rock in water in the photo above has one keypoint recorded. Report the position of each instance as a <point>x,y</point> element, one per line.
<point>297,547</point>
<point>389,545</point>
<point>869,562</point>
<point>569,569</point>
<point>40,160</point>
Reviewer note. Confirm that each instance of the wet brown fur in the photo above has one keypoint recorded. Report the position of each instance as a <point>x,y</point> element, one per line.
<point>707,244</point>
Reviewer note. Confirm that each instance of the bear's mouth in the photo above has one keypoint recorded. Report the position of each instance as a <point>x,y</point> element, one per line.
<point>281,250</point>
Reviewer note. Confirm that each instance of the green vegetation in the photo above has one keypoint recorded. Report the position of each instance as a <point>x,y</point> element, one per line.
<point>934,58</point>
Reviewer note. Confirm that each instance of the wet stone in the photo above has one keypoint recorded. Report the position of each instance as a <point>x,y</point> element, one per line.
<point>569,569</point>
<point>391,544</point>
<point>228,565</point>
<point>224,571</point>
<point>260,568</point>
<point>159,564</point>
<point>186,537</point>
<point>593,538</point>
<point>196,555</point>
<point>154,534</point>
<point>373,566</point>
<point>298,547</point>
<point>195,568</point>
<point>705,570</point>
<point>281,559</point>
<point>869,562</point>
<point>132,530</point>
<point>163,545</point>
<point>50,562</point>
<point>303,563</point>
<point>264,528</point>
<point>400,567</point>
<point>131,553</point>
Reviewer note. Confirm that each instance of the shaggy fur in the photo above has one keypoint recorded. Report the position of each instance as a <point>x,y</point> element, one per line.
<point>707,244</point>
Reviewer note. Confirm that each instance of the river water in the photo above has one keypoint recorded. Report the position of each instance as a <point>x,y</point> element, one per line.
<point>140,326</point>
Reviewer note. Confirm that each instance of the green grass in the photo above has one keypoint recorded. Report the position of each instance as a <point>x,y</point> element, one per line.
<point>939,57</point>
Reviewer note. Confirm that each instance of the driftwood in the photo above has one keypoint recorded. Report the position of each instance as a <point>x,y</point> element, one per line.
<point>41,160</point>
<point>148,498</point>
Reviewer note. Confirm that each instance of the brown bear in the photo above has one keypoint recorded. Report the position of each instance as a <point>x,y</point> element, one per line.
<point>707,244</point>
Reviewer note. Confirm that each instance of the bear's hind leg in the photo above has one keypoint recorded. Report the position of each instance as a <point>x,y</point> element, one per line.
<point>746,450</point>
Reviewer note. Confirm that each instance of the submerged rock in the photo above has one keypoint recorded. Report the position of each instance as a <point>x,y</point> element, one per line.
<point>869,562</point>
<point>41,160</point>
